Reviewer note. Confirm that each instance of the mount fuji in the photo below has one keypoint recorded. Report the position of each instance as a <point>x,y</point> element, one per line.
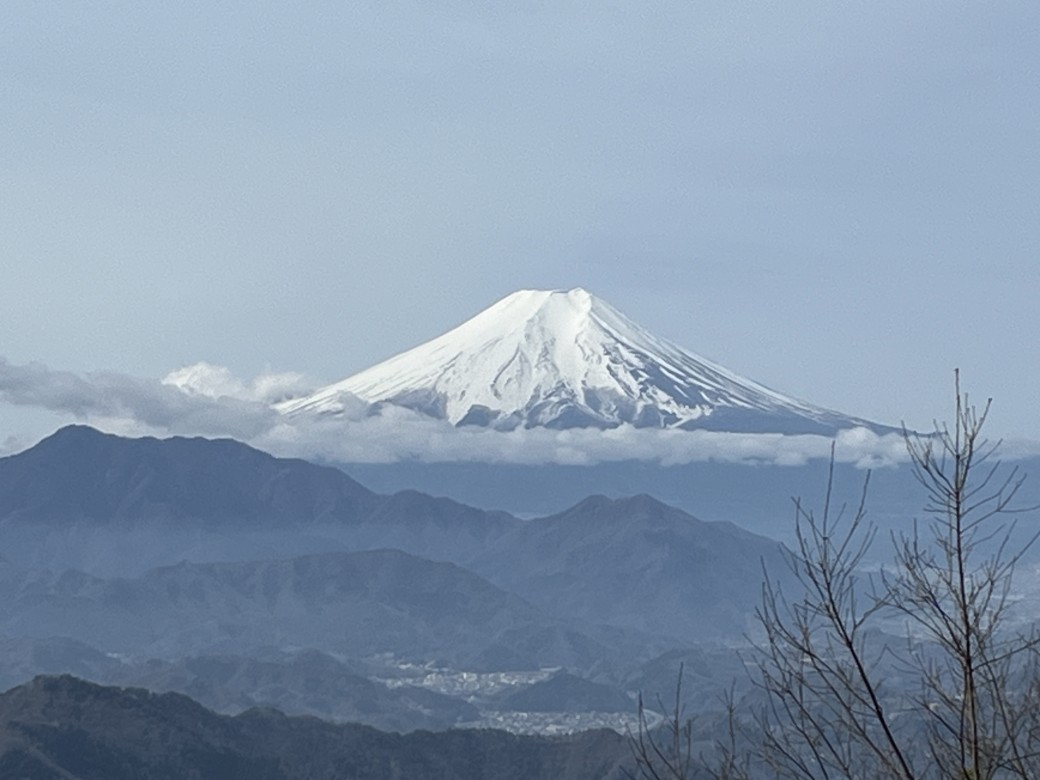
<point>566,359</point>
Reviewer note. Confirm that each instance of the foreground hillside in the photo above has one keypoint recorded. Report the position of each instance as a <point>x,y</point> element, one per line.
<point>67,729</point>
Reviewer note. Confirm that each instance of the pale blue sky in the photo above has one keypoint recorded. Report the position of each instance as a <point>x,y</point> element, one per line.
<point>839,200</point>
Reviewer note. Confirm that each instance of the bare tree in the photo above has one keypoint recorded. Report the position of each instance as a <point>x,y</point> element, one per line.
<point>980,686</point>
<point>953,694</point>
<point>826,669</point>
<point>665,752</point>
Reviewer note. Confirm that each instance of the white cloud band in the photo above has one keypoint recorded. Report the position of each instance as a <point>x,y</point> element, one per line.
<point>209,400</point>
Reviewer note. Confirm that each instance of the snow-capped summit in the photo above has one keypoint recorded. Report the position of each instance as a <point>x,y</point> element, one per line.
<point>565,359</point>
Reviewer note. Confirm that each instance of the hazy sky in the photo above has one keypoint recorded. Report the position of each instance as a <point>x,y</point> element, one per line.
<point>839,200</point>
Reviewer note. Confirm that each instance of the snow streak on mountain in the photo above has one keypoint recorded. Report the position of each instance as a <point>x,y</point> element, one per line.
<point>565,359</point>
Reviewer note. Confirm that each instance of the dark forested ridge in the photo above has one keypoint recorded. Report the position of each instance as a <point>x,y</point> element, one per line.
<point>67,729</point>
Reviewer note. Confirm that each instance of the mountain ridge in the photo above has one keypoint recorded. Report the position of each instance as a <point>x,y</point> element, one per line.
<point>567,359</point>
<point>639,539</point>
<point>81,473</point>
<point>63,728</point>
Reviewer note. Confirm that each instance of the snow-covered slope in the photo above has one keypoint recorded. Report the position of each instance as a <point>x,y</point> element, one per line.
<point>567,359</point>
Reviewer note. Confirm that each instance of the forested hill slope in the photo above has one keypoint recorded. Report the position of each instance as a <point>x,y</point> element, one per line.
<point>61,728</point>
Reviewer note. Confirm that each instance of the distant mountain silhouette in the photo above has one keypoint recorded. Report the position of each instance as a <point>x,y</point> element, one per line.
<point>86,500</point>
<point>353,603</point>
<point>638,563</point>
<point>79,473</point>
<point>127,505</point>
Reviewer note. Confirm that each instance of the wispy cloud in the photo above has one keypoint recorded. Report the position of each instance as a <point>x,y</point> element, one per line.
<point>120,399</point>
<point>209,381</point>
<point>209,400</point>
